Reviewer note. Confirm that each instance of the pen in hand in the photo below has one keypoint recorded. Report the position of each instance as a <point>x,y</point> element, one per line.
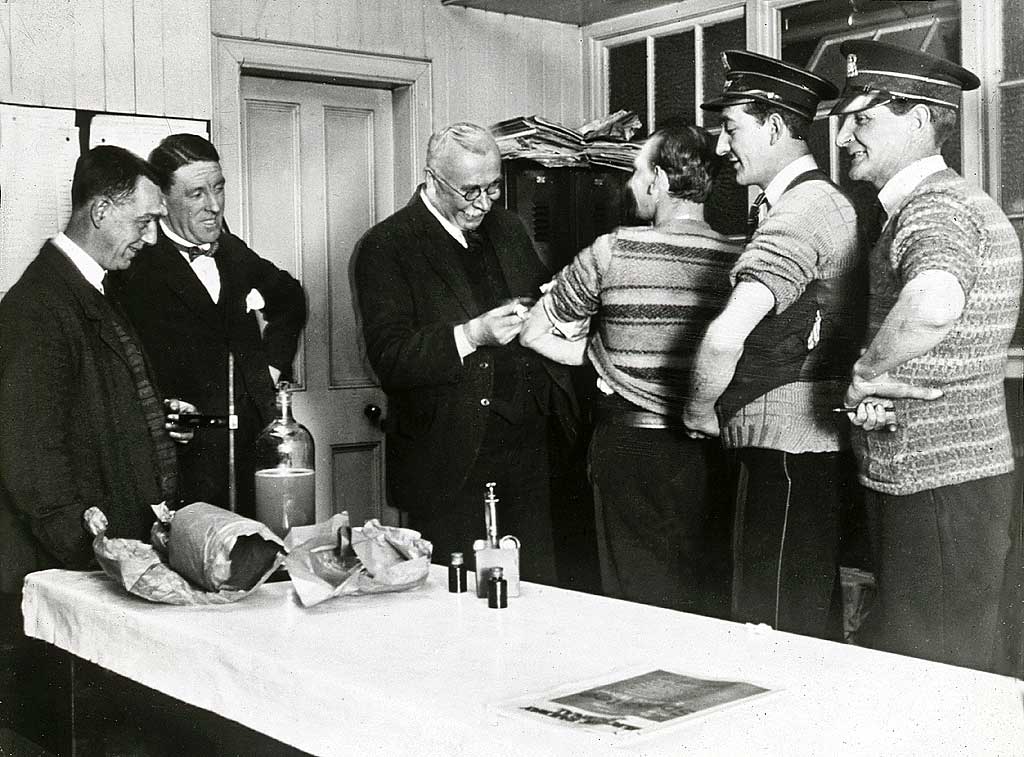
<point>888,426</point>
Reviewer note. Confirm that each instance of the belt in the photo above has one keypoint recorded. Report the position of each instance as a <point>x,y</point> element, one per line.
<point>637,418</point>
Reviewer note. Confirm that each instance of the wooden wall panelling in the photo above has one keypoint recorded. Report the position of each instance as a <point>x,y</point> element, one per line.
<point>39,74</point>
<point>5,52</point>
<point>119,56</point>
<point>187,78</point>
<point>149,51</point>
<point>88,58</point>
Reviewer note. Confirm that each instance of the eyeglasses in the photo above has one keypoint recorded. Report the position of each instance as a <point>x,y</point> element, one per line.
<point>492,190</point>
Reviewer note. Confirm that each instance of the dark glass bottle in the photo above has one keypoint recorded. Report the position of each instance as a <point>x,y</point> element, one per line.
<point>285,473</point>
<point>457,574</point>
<point>497,589</point>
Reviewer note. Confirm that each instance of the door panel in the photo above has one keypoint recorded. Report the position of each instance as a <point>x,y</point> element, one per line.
<point>319,171</point>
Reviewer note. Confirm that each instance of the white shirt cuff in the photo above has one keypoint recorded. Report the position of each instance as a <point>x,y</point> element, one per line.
<point>462,342</point>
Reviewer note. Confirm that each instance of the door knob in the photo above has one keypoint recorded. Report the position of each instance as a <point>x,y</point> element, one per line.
<point>373,413</point>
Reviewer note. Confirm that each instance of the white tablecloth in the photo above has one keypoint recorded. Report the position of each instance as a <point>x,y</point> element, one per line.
<point>415,673</point>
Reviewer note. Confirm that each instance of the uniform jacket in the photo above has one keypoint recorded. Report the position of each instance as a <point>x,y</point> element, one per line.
<point>411,292</point>
<point>72,430</point>
<point>188,336</point>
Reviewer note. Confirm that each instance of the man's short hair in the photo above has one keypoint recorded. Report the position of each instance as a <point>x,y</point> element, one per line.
<point>108,171</point>
<point>179,150</point>
<point>944,120</point>
<point>470,137</point>
<point>798,125</point>
<point>687,156</point>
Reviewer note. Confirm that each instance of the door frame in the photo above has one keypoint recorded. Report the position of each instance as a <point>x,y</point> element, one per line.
<point>408,79</point>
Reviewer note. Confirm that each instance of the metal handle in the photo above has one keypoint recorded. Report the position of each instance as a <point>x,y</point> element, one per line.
<point>373,413</point>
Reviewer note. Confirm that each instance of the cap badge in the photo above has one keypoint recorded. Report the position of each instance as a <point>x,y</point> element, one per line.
<point>725,62</point>
<point>851,65</point>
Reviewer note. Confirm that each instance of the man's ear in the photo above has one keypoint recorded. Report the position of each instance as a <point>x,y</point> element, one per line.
<point>660,179</point>
<point>99,208</point>
<point>921,114</point>
<point>778,127</point>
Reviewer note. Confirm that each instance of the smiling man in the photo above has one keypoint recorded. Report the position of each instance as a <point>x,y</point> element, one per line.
<point>945,286</point>
<point>443,287</point>
<point>772,366</point>
<point>189,298</point>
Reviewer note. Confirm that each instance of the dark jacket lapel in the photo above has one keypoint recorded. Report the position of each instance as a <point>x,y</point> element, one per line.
<point>436,245</point>
<point>170,266</point>
<point>91,301</point>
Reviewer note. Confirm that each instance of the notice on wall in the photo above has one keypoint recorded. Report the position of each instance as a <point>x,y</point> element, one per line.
<point>38,150</point>
<point>140,134</point>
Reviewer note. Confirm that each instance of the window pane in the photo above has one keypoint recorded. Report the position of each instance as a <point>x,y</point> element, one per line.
<point>1013,38</point>
<point>627,80</point>
<point>674,78</point>
<point>730,35</point>
<point>1012,122</point>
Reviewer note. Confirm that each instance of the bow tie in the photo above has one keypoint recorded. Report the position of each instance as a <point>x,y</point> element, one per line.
<point>196,252</point>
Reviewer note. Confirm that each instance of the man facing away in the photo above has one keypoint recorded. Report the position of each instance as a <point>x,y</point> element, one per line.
<point>661,498</point>
<point>440,286</point>
<point>776,359</point>
<point>193,298</point>
<point>945,287</point>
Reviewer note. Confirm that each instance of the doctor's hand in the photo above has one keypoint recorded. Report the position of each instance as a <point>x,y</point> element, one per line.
<point>180,434</point>
<point>498,326</point>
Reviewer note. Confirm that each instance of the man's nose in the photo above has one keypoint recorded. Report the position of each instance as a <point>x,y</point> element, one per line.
<point>845,134</point>
<point>213,203</point>
<point>722,145</point>
<point>483,202</point>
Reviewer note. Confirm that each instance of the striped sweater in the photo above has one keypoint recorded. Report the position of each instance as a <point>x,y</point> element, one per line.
<point>946,224</point>
<point>652,293</point>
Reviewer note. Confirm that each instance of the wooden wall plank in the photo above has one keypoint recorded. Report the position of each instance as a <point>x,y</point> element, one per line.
<point>551,72</point>
<point>119,56</point>
<point>5,53</point>
<point>87,60</point>
<point>148,23</point>
<point>187,64</point>
<point>29,64</point>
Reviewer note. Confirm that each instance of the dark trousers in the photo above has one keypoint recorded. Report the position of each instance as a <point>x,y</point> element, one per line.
<point>663,503</point>
<point>939,560</point>
<point>786,546</point>
<point>515,456</point>
<point>1009,659</point>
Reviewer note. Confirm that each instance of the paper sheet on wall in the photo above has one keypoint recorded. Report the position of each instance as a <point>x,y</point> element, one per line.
<point>140,134</point>
<point>38,150</point>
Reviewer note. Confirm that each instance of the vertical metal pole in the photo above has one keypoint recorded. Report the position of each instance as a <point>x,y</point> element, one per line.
<point>232,425</point>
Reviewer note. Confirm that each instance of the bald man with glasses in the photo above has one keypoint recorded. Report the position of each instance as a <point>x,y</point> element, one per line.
<point>442,288</point>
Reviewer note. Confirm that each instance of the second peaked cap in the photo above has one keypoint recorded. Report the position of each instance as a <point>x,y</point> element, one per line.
<point>751,77</point>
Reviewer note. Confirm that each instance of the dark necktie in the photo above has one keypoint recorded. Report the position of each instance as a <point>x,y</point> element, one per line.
<point>194,252</point>
<point>754,217</point>
<point>474,240</point>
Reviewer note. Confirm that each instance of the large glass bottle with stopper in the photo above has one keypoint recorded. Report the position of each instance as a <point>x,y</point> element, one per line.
<point>285,475</point>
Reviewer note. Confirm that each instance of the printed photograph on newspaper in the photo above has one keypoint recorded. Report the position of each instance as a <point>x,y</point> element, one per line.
<point>635,703</point>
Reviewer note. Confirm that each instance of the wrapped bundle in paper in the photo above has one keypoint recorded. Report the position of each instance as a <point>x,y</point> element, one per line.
<point>324,562</point>
<point>220,550</point>
<point>143,570</point>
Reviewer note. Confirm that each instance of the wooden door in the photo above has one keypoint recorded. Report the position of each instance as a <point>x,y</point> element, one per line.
<point>318,169</point>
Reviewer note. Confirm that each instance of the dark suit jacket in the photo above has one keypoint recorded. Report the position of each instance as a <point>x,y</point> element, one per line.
<point>187,337</point>
<point>411,292</point>
<point>72,430</point>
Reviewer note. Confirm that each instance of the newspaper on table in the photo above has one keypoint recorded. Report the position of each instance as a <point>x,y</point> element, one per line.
<point>630,704</point>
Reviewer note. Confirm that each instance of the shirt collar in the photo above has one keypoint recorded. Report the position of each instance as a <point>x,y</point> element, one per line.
<point>450,227</point>
<point>899,187</point>
<point>785,177</point>
<point>83,261</point>
<point>181,242</point>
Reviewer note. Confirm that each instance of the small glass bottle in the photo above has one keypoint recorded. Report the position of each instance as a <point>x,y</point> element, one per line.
<point>497,589</point>
<point>285,474</point>
<point>457,574</point>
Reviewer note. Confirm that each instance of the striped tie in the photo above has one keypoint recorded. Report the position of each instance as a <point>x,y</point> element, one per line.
<point>754,217</point>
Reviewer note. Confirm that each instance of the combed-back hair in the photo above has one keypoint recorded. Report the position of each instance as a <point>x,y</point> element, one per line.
<point>943,118</point>
<point>179,150</point>
<point>108,171</point>
<point>798,125</point>
<point>475,139</point>
<point>687,156</point>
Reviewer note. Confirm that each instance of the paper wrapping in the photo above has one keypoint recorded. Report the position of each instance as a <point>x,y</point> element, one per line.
<point>143,570</point>
<point>323,563</point>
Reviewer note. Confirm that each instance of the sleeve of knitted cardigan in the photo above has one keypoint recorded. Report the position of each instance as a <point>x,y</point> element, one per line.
<point>938,231</point>
<point>811,223</point>
<point>576,292</point>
